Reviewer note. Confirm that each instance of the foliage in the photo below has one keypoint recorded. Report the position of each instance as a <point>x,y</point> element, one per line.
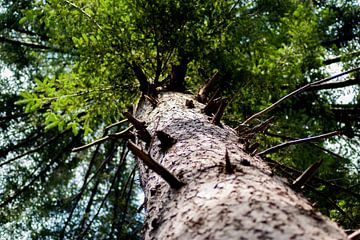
<point>76,69</point>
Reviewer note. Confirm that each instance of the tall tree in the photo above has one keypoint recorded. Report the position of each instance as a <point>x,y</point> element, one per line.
<point>81,65</point>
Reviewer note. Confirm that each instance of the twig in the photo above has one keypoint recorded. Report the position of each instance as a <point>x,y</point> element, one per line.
<point>83,12</point>
<point>115,124</point>
<point>103,139</point>
<point>334,85</point>
<point>316,179</point>
<point>35,149</point>
<point>297,91</point>
<point>311,188</point>
<point>298,141</point>
<point>115,179</point>
<point>261,127</point>
<point>173,181</point>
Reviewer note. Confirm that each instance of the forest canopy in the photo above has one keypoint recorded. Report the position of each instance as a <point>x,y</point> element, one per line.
<point>77,65</point>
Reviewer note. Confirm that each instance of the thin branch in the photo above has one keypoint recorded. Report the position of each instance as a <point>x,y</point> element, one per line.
<point>51,140</point>
<point>30,45</point>
<point>81,192</point>
<point>103,201</point>
<point>298,141</point>
<point>38,176</point>
<point>34,135</point>
<point>103,139</point>
<point>334,85</point>
<point>115,124</point>
<point>326,197</point>
<point>88,206</point>
<point>339,58</point>
<point>14,116</point>
<point>311,143</point>
<point>127,201</point>
<point>287,170</point>
<point>117,196</point>
<point>355,235</point>
<point>296,92</point>
<point>83,12</point>
<point>311,188</point>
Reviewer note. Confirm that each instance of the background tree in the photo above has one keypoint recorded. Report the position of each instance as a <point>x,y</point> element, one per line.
<point>77,65</point>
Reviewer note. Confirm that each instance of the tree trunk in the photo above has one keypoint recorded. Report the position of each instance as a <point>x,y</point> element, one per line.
<point>215,202</point>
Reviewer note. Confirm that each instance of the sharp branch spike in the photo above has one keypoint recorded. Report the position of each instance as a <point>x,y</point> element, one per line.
<point>306,175</point>
<point>172,180</point>
<point>140,126</point>
<point>220,112</point>
<point>166,141</point>
<point>153,101</point>
<point>207,88</point>
<point>229,168</point>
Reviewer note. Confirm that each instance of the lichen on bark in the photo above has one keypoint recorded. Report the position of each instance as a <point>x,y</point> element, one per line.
<point>250,203</point>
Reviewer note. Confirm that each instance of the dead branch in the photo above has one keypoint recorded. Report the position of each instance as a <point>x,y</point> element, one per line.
<point>51,140</point>
<point>173,181</point>
<point>306,175</point>
<point>296,92</point>
<point>140,126</point>
<point>334,85</point>
<point>220,112</point>
<point>229,168</point>
<point>298,141</point>
<point>207,88</point>
<point>103,139</point>
<point>115,124</point>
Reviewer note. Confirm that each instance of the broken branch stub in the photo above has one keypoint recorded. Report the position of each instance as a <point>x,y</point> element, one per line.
<point>172,180</point>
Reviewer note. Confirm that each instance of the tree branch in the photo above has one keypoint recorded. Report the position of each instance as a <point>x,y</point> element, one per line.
<point>83,12</point>
<point>306,175</point>
<point>204,91</point>
<point>334,85</point>
<point>34,149</point>
<point>298,141</point>
<point>30,45</point>
<point>140,126</point>
<point>339,58</point>
<point>296,92</point>
<point>103,139</point>
<point>38,176</point>
<point>318,180</point>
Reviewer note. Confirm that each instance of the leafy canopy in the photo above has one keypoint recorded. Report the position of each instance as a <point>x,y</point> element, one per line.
<point>78,64</point>
<point>105,40</point>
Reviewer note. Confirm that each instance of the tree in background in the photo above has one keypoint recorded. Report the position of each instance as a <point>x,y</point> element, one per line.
<point>78,65</point>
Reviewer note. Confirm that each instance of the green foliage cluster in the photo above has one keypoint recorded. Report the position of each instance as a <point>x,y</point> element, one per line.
<point>75,68</point>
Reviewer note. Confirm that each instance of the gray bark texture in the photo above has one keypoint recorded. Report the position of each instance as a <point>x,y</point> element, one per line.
<point>250,203</point>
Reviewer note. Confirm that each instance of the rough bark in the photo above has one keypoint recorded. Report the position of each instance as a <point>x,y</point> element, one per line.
<point>246,203</point>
